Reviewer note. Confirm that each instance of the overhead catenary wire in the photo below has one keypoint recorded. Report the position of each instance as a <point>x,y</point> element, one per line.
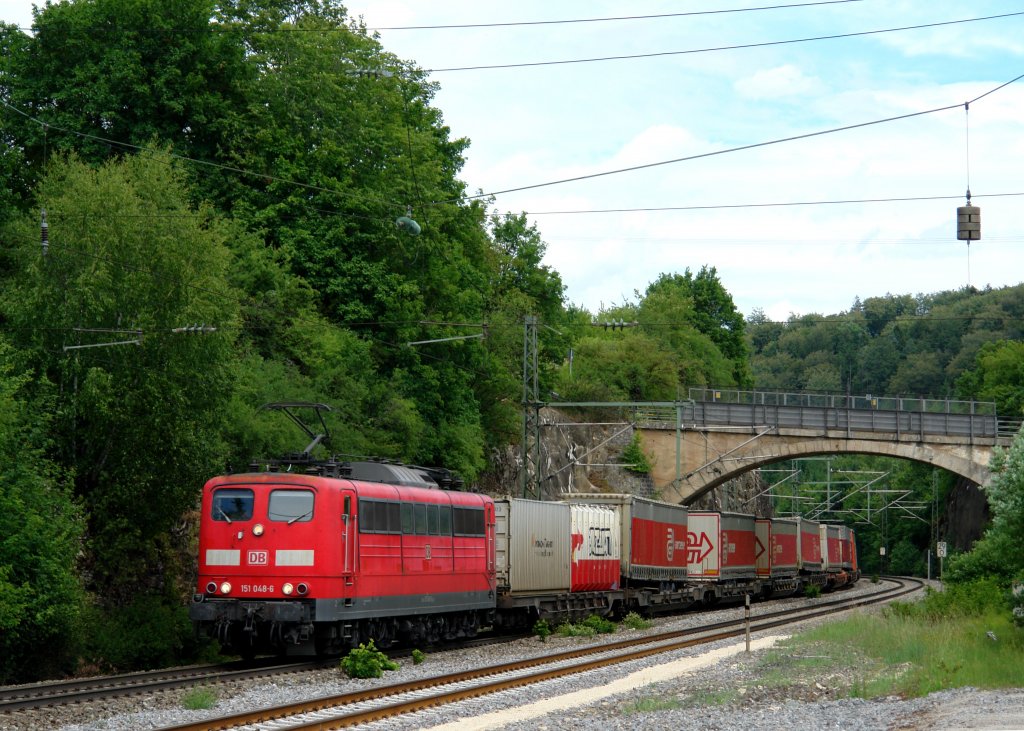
<point>610,19</point>
<point>728,150</point>
<point>463,26</point>
<point>736,47</point>
<point>774,204</point>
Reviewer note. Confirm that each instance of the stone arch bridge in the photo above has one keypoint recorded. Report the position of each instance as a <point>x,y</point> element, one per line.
<point>700,444</point>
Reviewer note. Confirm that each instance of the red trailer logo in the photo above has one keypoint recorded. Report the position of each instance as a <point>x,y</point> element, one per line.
<point>698,549</point>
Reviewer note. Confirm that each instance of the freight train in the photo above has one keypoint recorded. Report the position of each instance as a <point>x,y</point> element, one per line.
<point>318,560</point>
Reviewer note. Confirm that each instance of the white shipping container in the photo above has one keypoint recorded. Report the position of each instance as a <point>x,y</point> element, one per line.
<point>532,545</point>
<point>703,546</point>
<point>596,548</point>
<point>653,535</point>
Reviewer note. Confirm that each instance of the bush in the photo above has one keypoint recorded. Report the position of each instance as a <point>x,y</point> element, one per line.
<point>366,661</point>
<point>542,629</point>
<point>153,631</point>
<point>634,457</point>
<point>971,599</point>
<point>589,627</point>
<point>635,621</point>
<point>812,591</point>
<point>600,624</point>
<point>418,656</point>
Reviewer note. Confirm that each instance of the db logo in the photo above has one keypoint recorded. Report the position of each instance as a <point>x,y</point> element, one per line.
<point>258,558</point>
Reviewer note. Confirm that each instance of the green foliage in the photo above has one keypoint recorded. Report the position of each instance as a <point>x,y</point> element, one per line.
<point>710,310</point>
<point>917,652</point>
<point>542,629</point>
<point>634,458</point>
<point>418,656</point>
<point>199,699</point>
<point>628,367</point>
<point>592,625</point>
<point>40,594</point>
<point>898,344</point>
<point>148,632</point>
<point>366,661</point>
<point>969,599</point>
<point>635,621</point>
<point>812,591</point>
<point>122,410</point>
<point>998,376</point>
<point>906,559</point>
<point>1000,552</point>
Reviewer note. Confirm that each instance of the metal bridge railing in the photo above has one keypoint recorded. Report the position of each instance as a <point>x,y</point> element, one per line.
<point>904,418</point>
<point>843,401</point>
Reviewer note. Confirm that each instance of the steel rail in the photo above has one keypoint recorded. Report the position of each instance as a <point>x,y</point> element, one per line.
<point>42,695</point>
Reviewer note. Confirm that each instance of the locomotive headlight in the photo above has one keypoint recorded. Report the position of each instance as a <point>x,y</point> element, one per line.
<point>211,588</point>
<point>225,588</point>
<point>287,589</point>
<point>303,588</point>
<point>257,530</point>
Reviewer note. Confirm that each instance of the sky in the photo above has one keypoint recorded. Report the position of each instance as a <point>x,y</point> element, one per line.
<point>533,126</point>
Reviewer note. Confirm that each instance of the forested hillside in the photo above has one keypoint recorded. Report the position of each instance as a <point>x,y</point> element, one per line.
<point>897,344</point>
<point>200,215</point>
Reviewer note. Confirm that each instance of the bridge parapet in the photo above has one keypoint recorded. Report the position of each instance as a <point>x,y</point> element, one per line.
<point>835,415</point>
<point>843,401</point>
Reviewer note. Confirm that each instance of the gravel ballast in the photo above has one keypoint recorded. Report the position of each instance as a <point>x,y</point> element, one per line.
<point>720,691</point>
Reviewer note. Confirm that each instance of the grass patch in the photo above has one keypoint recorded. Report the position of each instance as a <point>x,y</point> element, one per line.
<point>199,699</point>
<point>711,698</point>
<point>915,652</point>
<point>651,704</point>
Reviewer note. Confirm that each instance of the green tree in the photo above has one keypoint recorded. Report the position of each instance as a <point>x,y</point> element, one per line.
<point>998,376</point>
<point>40,596</point>
<point>712,312</point>
<point>138,424</point>
<point>109,76</point>
<point>1000,552</point>
<point>628,367</point>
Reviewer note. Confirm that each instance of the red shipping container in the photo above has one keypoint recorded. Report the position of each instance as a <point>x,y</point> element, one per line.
<point>783,547</point>
<point>721,546</point>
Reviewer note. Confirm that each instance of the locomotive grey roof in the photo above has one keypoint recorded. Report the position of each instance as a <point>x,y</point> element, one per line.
<point>389,474</point>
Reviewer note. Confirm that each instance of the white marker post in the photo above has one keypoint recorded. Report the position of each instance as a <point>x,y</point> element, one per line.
<point>746,618</point>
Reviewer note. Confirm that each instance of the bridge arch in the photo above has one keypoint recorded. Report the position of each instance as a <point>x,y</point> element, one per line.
<point>689,467</point>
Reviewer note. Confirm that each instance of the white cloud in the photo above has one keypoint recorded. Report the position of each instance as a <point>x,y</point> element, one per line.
<point>778,83</point>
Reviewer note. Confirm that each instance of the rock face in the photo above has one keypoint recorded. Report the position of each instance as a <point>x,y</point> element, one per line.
<point>579,456</point>
<point>967,515</point>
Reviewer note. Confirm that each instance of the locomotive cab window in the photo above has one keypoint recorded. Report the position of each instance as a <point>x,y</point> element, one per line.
<point>291,506</point>
<point>468,521</point>
<point>232,503</point>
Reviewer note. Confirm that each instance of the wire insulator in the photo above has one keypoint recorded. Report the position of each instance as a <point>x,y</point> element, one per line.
<point>44,231</point>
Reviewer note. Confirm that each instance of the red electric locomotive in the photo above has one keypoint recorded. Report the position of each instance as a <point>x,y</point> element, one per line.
<point>315,563</point>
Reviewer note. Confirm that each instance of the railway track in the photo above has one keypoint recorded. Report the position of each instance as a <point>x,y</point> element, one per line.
<point>83,690</point>
<point>350,709</point>
<point>41,695</point>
